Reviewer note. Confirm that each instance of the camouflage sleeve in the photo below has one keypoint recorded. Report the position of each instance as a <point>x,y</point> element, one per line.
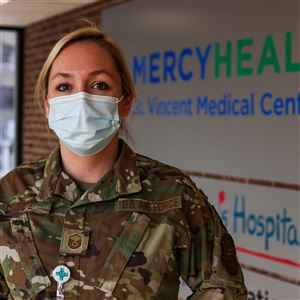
<point>208,261</point>
<point>3,286</point>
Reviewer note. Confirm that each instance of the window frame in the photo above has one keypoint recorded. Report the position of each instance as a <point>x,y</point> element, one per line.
<point>18,110</point>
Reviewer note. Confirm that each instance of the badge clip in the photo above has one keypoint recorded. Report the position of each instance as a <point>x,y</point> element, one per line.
<point>61,274</point>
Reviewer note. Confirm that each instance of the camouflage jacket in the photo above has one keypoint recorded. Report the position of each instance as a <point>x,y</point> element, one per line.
<point>129,236</point>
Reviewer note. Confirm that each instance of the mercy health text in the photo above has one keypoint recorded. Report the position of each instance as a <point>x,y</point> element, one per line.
<point>265,104</point>
<point>218,60</point>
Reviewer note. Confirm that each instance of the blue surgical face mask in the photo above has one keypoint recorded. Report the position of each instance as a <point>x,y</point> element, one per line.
<point>85,123</point>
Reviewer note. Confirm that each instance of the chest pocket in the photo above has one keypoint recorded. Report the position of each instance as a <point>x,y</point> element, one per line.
<point>21,264</point>
<point>121,252</point>
<point>139,259</point>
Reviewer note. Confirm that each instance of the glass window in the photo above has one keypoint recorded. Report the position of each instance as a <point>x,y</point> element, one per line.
<point>8,99</point>
<point>8,53</point>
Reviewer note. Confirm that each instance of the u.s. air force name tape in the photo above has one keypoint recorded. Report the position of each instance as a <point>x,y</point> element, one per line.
<point>146,206</point>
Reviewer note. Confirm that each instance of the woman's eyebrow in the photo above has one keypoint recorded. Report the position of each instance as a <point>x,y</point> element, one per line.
<point>65,75</point>
<point>93,73</point>
<point>97,72</point>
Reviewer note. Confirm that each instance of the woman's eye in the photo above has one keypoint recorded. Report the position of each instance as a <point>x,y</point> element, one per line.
<point>100,86</point>
<point>63,87</point>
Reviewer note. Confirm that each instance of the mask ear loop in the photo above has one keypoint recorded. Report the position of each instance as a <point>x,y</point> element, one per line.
<point>119,100</point>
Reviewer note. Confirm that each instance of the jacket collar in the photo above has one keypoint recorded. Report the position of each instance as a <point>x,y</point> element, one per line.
<point>122,180</point>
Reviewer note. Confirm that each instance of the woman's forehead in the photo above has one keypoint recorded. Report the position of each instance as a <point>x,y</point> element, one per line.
<point>84,56</point>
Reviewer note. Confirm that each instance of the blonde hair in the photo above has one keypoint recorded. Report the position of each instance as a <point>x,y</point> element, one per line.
<point>90,32</point>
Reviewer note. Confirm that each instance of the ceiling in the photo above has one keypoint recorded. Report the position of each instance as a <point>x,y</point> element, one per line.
<point>21,13</point>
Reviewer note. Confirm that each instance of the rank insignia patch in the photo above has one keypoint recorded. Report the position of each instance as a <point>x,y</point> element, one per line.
<point>74,241</point>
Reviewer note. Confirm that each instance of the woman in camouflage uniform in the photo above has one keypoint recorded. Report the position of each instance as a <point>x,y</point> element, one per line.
<point>94,220</point>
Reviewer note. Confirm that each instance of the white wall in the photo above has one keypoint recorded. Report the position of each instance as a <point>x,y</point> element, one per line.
<point>162,41</point>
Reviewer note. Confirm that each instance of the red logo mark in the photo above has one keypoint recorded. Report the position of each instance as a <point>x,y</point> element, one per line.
<point>222,197</point>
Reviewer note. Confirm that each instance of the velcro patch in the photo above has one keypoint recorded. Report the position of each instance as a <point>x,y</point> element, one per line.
<point>145,206</point>
<point>27,206</point>
<point>74,241</point>
<point>18,206</point>
<point>229,259</point>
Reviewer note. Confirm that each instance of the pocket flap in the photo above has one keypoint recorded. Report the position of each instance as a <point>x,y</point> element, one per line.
<point>122,250</point>
<point>39,207</point>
